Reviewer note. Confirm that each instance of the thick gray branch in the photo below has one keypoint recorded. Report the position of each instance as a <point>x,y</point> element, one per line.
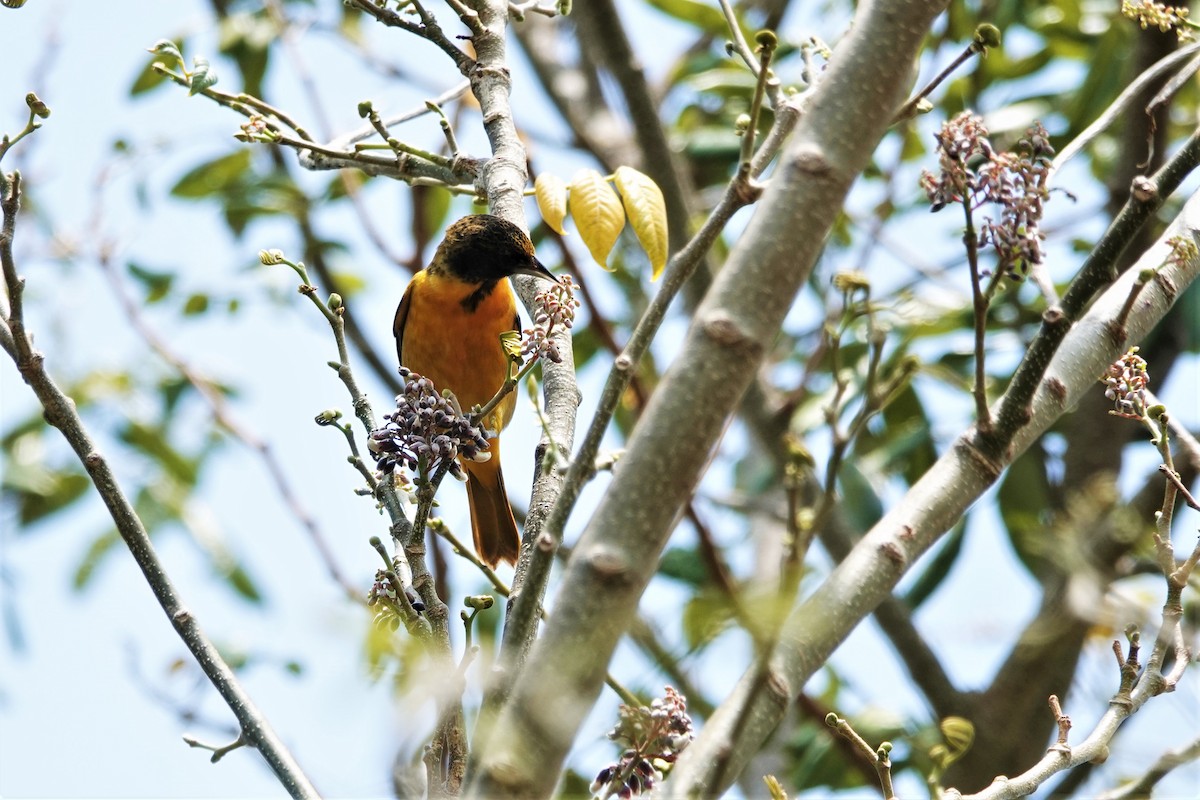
<point>618,553</point>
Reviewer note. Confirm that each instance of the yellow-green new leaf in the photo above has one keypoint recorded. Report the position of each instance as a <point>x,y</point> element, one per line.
<point>551,193</point>
<point>510,342</point>
<point>597,212</point>
<point>647,212</point>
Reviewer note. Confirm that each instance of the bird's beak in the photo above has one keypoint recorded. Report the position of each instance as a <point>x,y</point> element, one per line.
<point>538,270</point>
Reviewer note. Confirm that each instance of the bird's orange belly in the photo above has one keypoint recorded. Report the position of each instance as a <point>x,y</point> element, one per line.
<point>460,350</point>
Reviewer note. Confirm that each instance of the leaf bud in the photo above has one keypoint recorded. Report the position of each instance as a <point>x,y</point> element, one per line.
<point>36,106</point>
<point>987,35</point>
<point>851,281</point>
<point>1143,189</point>
<point>269,258</point>
<point>479,602</point>
<point>365,108</point>
<point>334,302</point>
<point>201,77</point>
<point>165,47</point>
<point>328,417</point>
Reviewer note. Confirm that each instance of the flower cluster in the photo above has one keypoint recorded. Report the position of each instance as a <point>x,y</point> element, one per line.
<point>1183,250</point>
<point>972,172</point>
<point>1125,384</point>
<point>257,129</point>
<point>961,141</point>
<point>555,307</point>
<point>425,431</point>
<point>383,599</point>
<point>652,735</point>
<point>1157,15</point>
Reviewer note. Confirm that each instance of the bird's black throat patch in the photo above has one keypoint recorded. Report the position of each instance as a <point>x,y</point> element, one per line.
<point>472,301</point>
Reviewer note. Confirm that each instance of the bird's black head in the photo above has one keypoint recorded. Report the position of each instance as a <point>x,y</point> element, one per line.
<point>483,249</point>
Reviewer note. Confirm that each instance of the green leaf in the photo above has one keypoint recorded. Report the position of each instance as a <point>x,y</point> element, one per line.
<point>348,284</point>
<point>214,177</point>
<point>685,565</point>
<point>1024,498</point>
<point>243,192</point>
<point>150,78</point>
<point>40,491</point>
<point>153,442</point>
<point>862,505</point>
<point>431,206</point>
<point>236,657</point>
<point>246,38</point>
<point>96,552</point>
<point>813,760</point>
<point>704,16</point>
<point>906,443</point>
<point>705,616</point>
<point>573,784</point>
<point>171,391</point>
<point>156,284</point>
<point>240,581</point>
<point>336,188</point>
<point>195,304</point>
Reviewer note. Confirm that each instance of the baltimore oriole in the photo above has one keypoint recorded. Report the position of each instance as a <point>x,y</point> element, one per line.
<point>448,329</point>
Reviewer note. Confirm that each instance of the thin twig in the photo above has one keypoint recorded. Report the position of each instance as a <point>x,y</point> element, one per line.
<point>979,306</point>
<point>215,398</point>
<point>1117,108</point>
<point>427,29</point>
<point>1143,786</point>
<point>880,759</point>
<point>60,412</point>
<point>977,46</point>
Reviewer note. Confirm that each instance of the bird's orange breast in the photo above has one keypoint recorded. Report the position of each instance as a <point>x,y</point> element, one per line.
<point>457,348</point>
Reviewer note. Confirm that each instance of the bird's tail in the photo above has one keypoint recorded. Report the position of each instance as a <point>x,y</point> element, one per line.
<point>496,537</point>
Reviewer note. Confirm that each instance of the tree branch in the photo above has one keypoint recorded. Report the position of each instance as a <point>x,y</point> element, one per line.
<point>1097,272</point>
<point>61,413</point>
<point>618,551</point>
<point>930,508</point>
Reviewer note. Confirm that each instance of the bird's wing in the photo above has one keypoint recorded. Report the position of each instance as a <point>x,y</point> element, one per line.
<point>401,318</point>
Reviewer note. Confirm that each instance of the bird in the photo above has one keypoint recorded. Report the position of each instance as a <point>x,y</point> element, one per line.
<point>448,328</point>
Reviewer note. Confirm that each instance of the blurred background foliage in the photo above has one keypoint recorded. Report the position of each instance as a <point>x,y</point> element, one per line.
<point>1079,503</point>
